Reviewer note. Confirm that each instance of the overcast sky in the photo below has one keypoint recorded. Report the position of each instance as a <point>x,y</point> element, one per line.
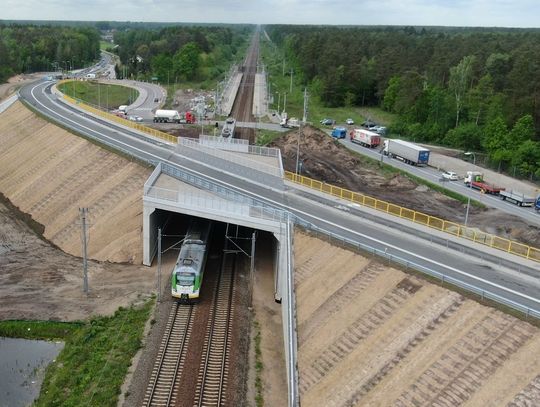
<point>501,13</point>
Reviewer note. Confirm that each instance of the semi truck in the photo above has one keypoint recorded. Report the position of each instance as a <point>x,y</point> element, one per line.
<point>475,180</point>
<point>167,116</point>
<point>365,138</point>
<point>339,132</point>
<point>410,153</point>
<point>189,117</point>
<point>517,197</point>
<point>537,204</point>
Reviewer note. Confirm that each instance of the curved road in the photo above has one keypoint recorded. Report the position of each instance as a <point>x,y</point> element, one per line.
<point>519,286</point>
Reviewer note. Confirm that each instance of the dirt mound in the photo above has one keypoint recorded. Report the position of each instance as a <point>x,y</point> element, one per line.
<point>324,159</point>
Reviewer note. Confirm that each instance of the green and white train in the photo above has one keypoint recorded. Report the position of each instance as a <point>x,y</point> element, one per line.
<point>187,275</point>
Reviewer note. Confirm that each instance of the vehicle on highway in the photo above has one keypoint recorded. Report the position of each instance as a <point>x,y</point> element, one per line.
<point>328,122</point>
<point>349,121</point>
<point>368,124</point>
<point>339,132</point>
<point>365,138</point>
<point>167,116</point>
<point>475,180</point>
<point>409,153</point>
<point>135,118</point>
<point>450,176</point>
<point>187,274</point>
<point>379,130</point>
<point>517,198</point>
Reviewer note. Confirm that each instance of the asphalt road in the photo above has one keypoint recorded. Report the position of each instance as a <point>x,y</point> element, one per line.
<point>519,286</point>
<point>433,175</point>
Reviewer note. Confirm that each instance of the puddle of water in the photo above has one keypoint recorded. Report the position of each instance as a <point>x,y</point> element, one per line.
<point>22,368</point>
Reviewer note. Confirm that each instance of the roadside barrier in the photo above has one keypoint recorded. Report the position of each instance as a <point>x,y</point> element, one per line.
<point>456,229</point>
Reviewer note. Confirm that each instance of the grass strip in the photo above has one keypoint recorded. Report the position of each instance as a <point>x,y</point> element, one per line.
<point>107,96</point>
<point>90,370</point>
<point>48,330</point>
<point>259,399</point>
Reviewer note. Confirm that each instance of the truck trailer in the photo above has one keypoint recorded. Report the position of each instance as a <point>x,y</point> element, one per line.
<point>408,152</point>
<point>517,198</point>
<point>365,138</point>
<point>167,116</point>
<point>475,180</point>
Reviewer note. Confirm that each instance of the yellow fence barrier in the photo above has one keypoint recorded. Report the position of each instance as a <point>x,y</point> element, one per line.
<point>128,123</point>
<point>520,249</point>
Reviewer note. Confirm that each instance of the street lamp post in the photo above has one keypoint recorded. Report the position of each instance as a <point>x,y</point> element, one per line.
<point>468,153</point>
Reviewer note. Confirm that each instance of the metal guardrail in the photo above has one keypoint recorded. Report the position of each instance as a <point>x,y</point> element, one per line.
<point>453,228</point>
<point>484,294</point>
<point>8,102</point>
<point>292,343</point>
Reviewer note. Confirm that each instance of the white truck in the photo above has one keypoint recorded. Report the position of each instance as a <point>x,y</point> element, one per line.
<point>365,138</point>
<point>410,153</point>
<point>167,116</point>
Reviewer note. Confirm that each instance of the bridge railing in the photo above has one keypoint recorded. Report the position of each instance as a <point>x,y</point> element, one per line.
<point>456,229</point>
<point>231,157</point>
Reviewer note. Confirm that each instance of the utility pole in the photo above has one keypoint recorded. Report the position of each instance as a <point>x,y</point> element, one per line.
<point>290,90</point>
<point>159,267</point>
<point>285,101</point>
<point>303,122</point>
<point>84,213</point>
<point>252,268</point>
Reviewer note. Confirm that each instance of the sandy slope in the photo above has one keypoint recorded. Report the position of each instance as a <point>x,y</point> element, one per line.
<point>50,173</point>
<point>370,335</point>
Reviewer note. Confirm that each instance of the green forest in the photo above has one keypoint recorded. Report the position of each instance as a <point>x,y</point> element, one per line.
<point>32,48</point>
<point>182,53</point>
<point>472,89</point>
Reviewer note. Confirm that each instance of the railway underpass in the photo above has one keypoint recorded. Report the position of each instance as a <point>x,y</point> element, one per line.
<point>165,195</point>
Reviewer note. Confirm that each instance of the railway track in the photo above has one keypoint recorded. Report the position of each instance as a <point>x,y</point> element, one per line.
<point>213,372</point>
<point>162,388</point>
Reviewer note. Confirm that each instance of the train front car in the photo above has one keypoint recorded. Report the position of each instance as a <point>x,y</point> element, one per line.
<point>187,275</point>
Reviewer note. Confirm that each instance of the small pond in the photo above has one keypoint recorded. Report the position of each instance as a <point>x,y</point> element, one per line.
<point>22,368</point>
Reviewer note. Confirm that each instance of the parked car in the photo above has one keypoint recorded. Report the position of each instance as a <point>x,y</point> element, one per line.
<point>369,125</point>
<point>349,121</point>
<point>450,176</point>
<point>328,122</point>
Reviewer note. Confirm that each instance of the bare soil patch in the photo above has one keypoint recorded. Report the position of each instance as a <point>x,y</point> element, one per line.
<point>40,282</point>
<point>326,160</point>
<point>377,336</point>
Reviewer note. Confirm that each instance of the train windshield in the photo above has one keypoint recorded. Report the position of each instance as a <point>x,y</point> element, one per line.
<point>185,279</point>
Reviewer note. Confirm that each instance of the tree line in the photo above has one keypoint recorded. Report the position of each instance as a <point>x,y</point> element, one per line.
<point>180,53</point>
<point>473,89</point>
<point>32,48</point>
